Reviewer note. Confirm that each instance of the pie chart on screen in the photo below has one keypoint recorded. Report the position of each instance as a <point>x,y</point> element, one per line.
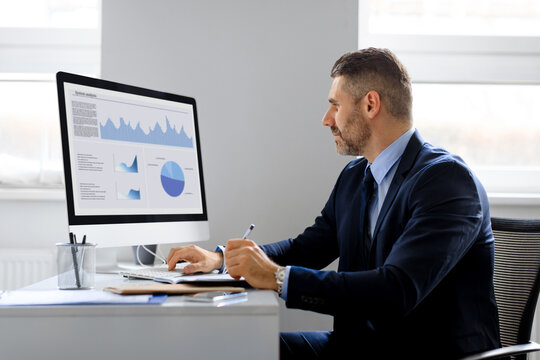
<point>172,178</point>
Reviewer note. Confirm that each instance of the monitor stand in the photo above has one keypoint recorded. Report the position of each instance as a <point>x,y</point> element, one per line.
<point>145,257</point>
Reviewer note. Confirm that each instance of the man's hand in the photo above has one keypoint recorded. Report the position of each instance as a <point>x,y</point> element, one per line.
<point>200,260</point>
<point>244,258</point>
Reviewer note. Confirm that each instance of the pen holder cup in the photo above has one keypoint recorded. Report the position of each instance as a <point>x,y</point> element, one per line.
<point>76,266</point>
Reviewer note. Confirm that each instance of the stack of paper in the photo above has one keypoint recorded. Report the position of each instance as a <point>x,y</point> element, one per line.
<point>73,297</point>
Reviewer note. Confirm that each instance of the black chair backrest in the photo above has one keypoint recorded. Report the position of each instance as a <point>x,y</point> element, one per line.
<point>516,276</point>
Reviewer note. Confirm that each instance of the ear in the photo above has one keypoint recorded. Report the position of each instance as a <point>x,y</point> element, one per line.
<point>372,104</point>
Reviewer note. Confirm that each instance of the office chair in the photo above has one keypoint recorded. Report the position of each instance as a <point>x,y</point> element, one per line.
<point>517,283</point>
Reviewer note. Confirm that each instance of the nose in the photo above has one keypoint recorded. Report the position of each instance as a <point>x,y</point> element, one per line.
<point>328,118</point>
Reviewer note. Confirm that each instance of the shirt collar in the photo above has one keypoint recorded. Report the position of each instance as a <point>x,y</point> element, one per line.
<point>386,159</point>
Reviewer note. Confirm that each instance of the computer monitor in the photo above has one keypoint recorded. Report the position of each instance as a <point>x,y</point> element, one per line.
<point>132,163</point>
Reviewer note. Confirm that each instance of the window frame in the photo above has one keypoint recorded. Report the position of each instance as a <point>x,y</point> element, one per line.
<point>77,49</point>
<point>35,55</point>
<point>462,59</point>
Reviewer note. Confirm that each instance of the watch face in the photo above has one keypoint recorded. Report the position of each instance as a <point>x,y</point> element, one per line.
<point>280,276</point>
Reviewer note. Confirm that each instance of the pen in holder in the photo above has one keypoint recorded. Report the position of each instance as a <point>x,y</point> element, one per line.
<point>76,265</point>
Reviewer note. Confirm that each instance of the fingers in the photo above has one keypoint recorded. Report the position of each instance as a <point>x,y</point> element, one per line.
<point>239,243</point>
<point>200,259</point>
<point>241,255</point>
<point>181,253</point>
<point>244,258</point>
<point>171,253</point>
<point>234,250</point>
<point>193,268</point>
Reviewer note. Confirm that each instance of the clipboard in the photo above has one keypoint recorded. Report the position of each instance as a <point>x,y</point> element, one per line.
<point>171,289</point>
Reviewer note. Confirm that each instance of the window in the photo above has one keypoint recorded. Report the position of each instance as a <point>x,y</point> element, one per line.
<point>474,67</point>
<point>63,14</point>
<point>443,17</point>
<point>37,39</point>
<point>30,151</point>
<point>494,128</point>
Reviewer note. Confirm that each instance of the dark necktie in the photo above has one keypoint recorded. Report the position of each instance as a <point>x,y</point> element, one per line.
<point>367,194</point>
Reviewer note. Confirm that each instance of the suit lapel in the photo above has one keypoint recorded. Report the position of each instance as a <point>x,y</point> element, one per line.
<point>407,161</point>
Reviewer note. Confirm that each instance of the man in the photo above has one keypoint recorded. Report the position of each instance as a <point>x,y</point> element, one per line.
<point>409,222</point>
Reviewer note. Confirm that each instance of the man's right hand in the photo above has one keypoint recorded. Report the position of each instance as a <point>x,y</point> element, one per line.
<point>200,260</point>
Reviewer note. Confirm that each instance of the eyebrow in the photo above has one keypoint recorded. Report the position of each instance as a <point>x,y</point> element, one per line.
<point>333,101</point>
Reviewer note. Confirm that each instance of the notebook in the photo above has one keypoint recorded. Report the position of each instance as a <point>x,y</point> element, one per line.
<point>161,274</point>
<point>169,289</point>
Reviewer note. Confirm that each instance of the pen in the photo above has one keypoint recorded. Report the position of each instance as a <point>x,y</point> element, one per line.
<point>73,241</point>
<point>82,256</point>
<point>246,234</point>
<point>248,231</point>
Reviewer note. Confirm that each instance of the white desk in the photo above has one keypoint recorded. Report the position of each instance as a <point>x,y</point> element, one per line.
<point>174,330</point>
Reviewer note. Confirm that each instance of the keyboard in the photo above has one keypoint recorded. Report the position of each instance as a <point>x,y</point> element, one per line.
<point>155,272</point>
<point>161,274</point>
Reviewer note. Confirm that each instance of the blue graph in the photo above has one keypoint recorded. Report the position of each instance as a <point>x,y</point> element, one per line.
<point>169,136</point>
<point>132,195</point>
<point>123,167</point>
<point>172,178</point>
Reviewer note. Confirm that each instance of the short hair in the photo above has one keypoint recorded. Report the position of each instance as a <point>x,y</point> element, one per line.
<point>380,70</point>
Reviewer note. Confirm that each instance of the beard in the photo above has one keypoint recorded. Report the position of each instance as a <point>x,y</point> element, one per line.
<point>353,135</point>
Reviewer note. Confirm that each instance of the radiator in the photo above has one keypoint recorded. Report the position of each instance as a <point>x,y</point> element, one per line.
<point>22,267</point>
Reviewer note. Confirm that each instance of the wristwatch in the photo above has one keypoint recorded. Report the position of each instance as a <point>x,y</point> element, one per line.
<point>280,278</point>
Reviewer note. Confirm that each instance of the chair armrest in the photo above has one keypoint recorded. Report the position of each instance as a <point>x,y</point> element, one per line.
<point>505,351</point>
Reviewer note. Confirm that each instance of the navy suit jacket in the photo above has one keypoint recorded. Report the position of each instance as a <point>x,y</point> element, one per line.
<point>425,288</point>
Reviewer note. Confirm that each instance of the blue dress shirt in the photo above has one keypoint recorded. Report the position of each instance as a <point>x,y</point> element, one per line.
<point>383,169</point>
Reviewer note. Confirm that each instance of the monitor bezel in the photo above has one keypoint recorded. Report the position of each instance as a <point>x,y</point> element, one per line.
<point>73,219</point>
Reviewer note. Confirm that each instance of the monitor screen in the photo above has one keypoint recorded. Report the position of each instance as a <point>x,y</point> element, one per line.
<point>132,163</point>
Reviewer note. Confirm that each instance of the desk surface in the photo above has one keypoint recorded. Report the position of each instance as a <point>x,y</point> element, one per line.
<point>258,302</point>
<point>191,330</point>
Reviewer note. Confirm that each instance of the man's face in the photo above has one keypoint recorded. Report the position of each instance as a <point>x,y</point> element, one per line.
<point>344,118</point>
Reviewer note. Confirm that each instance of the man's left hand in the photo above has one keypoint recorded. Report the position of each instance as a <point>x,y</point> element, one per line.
<point>244,258</point>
